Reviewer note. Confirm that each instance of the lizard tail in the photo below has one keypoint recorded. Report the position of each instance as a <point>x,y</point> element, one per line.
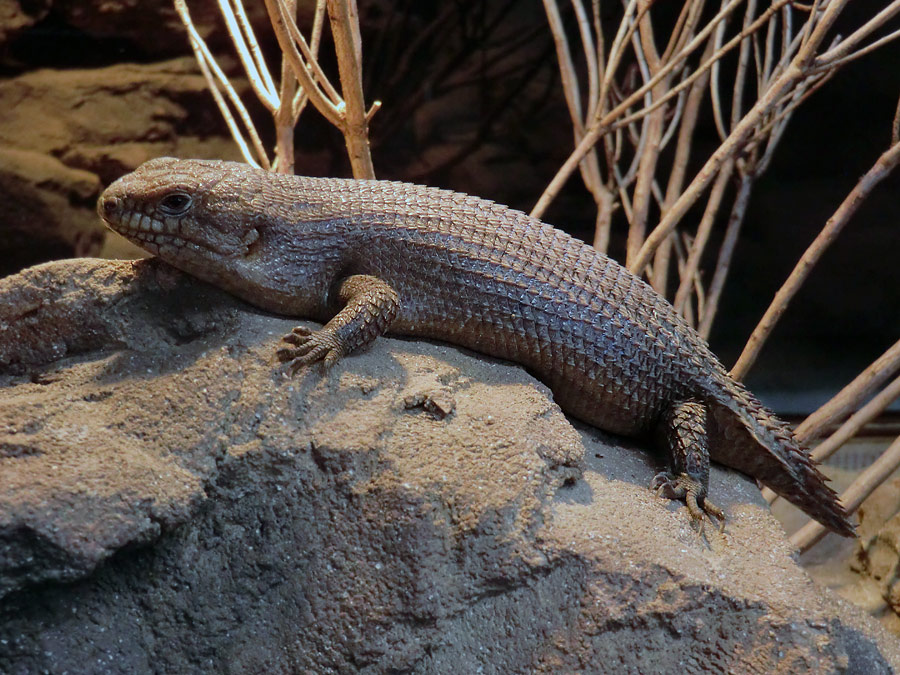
<point>747,436</point>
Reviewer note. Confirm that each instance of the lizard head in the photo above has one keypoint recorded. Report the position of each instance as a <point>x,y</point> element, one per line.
<point>244,229</point>
<point>183,211</point>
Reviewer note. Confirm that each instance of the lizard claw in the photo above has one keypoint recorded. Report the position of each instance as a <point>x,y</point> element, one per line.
<point>298,336</point>
<point>309,347</point>
<point>669,486</point>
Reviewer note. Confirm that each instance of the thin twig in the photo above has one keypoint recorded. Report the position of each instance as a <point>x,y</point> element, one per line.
<point>726,252</point>
<point>675,121</point>
<point>301,98</point>
<point>590,62</point>
<point>253,45</point>
<point>215,77</point>
<point>692,265</point>
<point>348,46</point>
<point>714,94</point>
<point>863,51</point>
<point>288,36</point>
<point>678,171</point>
<point>850,397</point>
<point>682,26</point>
<point>648,60</point>
<point>895,125</point>
<point>737,97</point>
<point>590,168</point>
<point>857,421</point>
<point>885,164</point>
<point>864,485</point>
<point>248,52</point>
<point>765,73</point>
<point>284,114</point>
<point>850,428</point>
<point>845,46</point>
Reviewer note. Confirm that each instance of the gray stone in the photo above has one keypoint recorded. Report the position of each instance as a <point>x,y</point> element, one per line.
<point>171,502</point>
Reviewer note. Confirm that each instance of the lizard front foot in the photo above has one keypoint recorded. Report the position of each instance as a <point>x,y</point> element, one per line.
<point>310,346</point>
<point>682,486</point>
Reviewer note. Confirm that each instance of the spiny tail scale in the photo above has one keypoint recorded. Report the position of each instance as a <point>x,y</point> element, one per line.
<point>745,435</point>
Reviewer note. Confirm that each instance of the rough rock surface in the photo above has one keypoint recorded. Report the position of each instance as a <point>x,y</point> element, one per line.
<point>16,16</point>
<point>65,134</point>
<point>877,566</point>
<point>871,580</point>
<point>108,120</point>
<point>149,28</point>
<point>170,502</point>
<point>47,210</point>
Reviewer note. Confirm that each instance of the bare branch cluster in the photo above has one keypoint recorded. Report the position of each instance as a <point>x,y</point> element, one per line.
<point>301,81</point>
<point>635,103</point>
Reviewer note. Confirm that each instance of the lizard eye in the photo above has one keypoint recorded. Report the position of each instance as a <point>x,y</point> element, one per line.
<point>175,204</point>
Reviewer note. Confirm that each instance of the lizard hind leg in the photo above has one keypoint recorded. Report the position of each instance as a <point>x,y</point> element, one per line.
<point>682,430</point>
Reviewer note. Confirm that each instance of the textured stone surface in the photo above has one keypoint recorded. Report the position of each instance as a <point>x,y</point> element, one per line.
<point>153,26</point>
<point>871,578</point>
<point>170,502</point>
<point>107,120</point>
<point>47,210</point>
<point>64,134</point>
<point>16,16</point>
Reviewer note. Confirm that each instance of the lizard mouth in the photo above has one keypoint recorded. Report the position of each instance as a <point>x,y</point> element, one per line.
<point>158,235</point>
<point>146,231</point>
<point>137,226</point>
<point>153,241</point>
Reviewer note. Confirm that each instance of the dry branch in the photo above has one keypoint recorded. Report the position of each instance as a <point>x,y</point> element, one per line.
<point>811,256</point>
<point>302,80</point>
<point>856,494</point>
<point>851,396</point>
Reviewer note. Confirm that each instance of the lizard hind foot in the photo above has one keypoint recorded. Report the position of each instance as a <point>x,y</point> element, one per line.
<point>310,346</point>
<point>692,491</point>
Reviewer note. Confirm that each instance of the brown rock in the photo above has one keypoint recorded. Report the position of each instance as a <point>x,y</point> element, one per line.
<point>866,571</point>
<point>108,120</point>
<point>170,502</point>
<point>47,210</point>
<point>153,25</point>
<point>16,16</point>
<point>65,134</point>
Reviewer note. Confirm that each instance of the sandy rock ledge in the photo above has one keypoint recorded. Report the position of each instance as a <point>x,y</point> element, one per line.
<point>170,502</point>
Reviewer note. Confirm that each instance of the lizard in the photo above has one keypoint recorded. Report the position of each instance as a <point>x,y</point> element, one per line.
<point>368,257</point>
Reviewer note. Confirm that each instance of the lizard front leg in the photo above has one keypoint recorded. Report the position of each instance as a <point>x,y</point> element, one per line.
<point>369,306</point>
<point>682,429</point>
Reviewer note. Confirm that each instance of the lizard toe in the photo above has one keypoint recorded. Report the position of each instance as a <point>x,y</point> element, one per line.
<point>667,485</point>
<point>295,339</point>
<point>287,354</point>
<point>683,487</point>
<point>316,353</point>
<point>310,347</point>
